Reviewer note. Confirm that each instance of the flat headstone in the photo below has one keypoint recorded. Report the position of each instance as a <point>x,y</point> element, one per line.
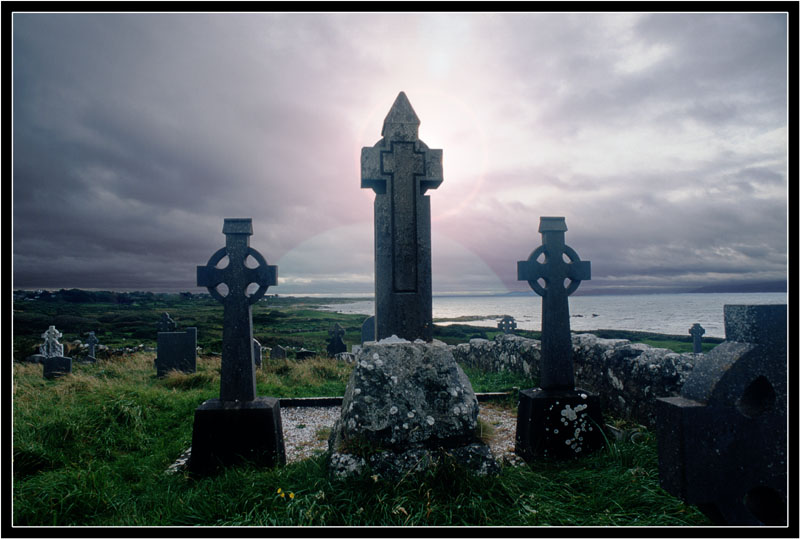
<point>368,330</point>
<point>697,331</point>
<point>56,366</point>
<point>239,426</point>
<point>722,442</point>
<point>277,352</point>
<point>400,168</point>
<point>556,419</point>
<point>176,351</point>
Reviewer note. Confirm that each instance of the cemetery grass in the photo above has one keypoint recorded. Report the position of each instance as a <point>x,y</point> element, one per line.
<point>92,449</point>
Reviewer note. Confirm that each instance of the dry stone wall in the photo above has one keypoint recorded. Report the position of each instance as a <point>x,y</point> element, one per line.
<point>627,377</point>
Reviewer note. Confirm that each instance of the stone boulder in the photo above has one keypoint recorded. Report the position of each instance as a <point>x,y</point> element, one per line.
<point>407,406</point>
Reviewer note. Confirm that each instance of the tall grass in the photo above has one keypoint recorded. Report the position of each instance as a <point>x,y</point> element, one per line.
<point>92,448</point>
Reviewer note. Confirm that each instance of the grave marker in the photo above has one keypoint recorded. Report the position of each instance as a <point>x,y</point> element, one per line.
<point>336,344</point>
<point>368,330</point>
<point>400,168</point>
<point>277,352</point>
<point>54,364</point>
<point>175,350</point>
<point>697,331</point>
<point>239,425</point>
<point>556,419</point>
<point>91,341</point>
<point>51,346</point>
<point>507,324</point>
<point>722,442</point>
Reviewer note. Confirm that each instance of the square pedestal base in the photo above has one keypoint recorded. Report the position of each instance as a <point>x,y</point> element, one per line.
<point>559,424</point>
<point>230,432</point>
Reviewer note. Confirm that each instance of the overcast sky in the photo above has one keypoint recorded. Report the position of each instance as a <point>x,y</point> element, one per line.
<point>662,138</point>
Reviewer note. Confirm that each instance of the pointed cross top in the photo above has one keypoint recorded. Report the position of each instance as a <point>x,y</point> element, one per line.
<point>402,122</point>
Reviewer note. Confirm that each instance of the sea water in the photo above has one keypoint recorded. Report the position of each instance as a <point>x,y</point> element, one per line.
<point>671,314</point>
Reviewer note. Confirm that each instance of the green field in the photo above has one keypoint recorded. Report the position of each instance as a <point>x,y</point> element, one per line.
<point>92,448</point>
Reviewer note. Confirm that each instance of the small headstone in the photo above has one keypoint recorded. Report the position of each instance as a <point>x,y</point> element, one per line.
<point>51,347</point>
<point>91,342</point>
<point>56,366</point>
<point>722,442</point>
<point>556,419</point>
<point>175,350</point>
<point>277,352</point>
<point>400,168</point>
<point>336,345</point>
<point>507,324</point>
<point>166,323</point>
<point>368,330</point>
<point>697,331</point>
<point>239,425</point>
<point>257,353</point>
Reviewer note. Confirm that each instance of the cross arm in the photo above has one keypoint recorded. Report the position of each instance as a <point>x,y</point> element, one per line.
<point>580,270</point>
<point>371,175</point>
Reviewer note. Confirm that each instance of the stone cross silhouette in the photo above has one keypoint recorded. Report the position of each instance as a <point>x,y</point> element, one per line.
<point>697,331</point>
<point>166,324</point>
<point>238,381</point>
<point>51,346</point>
<point>556,370</point>
<point>337,331</point>
<point>92,342</point>
<point>400,168</point>
<point>507,324</point>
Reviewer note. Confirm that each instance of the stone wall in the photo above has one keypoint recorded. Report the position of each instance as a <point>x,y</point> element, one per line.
<point>627,377</point>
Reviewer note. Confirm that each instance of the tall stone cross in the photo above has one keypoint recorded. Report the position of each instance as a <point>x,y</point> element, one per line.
<point>51,346</point>
<point>91,341</point>
<point>556,368</point>
<point>697,331</point>
<point>400,168</point>
<point>238,377</point>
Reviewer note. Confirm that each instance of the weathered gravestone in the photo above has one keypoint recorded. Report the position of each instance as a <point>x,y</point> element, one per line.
<point>52,355</point>
<point>507,324</point>
<point>277,352</point>
<point>336,344</point>
<point>368,330</point>
<point>697,331</point>
<point>257,353</point>
<point>556,419</point>
<point>91,342</point>
<point>400,168</point>
<point>176,350</point>
<point>722,442</point>
<point>239,425</point>
<point>304,354</point>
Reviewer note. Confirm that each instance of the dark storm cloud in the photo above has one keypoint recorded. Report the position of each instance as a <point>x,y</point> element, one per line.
<point>661,138</point>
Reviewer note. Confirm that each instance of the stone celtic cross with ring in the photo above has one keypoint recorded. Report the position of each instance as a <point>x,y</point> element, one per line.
<point>238,382</point>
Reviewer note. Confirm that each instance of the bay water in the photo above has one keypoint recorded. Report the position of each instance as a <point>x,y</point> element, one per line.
<point>671,314</point>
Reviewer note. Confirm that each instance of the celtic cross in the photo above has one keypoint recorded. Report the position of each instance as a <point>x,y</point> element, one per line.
<point>697,331</point>
<point>556,366</point>
<point>400,168</point>
<point>51,346</point>
<point>91,341</point>
<point>238,382</point>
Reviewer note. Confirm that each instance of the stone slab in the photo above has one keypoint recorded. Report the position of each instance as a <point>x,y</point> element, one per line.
<point>368,330</point>
<point>558,424</point>
<point>56,366</point>
<point>177,350</point>
<point>227,432</point>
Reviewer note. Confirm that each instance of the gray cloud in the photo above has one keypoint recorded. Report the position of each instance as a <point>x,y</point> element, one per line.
<point>661,137</point>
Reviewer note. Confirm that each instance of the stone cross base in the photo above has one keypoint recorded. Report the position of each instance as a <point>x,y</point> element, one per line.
<point>228,432</point>
<point>56,366</point>
<point>177,350</point>
<point>558,424</point>
<point>408,408</point>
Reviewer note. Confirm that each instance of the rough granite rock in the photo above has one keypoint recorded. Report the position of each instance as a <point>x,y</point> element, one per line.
<point>405,403</point>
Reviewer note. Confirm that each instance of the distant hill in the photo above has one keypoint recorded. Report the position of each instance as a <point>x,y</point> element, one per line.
<point>761,286</point>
